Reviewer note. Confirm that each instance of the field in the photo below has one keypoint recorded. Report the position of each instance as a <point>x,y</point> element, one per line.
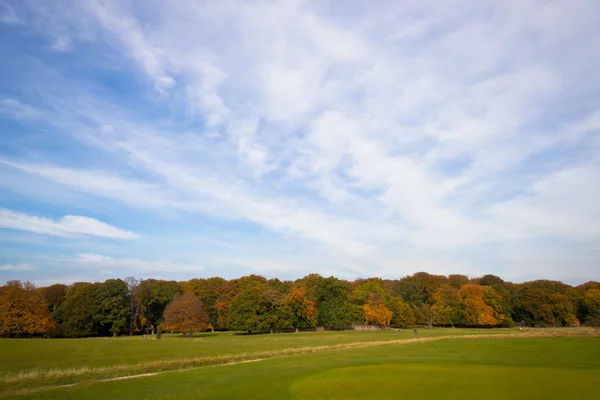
<point>440,363</point>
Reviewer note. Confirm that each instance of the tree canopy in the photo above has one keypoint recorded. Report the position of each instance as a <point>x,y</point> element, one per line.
<point>254,303</point>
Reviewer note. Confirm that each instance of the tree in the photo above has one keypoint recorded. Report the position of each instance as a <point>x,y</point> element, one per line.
<point>302,311</point>
<point>402,313</point>
<point>476,312</point>
<point>333,306</point>
<point>185,313</point>
<point>113,308</point>
<point>160,293</point>
<point>591,305</point>
<point>54,295</point>
<point>80,310</point>
<point>258,309</point>
<point>418,288</point>
<point>533,302</point>
<point>446,306</point>
<point>376,313</point>
<point>458,281</point>
<point>489,280</point>
<point>23,311</point>
<point>208,291</point>
<point>563,310</point>
<point>138,294</point>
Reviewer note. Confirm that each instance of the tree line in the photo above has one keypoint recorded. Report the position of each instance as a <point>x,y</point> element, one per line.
<point>256,304</point>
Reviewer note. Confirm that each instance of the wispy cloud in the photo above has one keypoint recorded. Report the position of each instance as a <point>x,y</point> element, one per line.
<point>404,134</point>
<point>69,225</point>
<point>17,267</point>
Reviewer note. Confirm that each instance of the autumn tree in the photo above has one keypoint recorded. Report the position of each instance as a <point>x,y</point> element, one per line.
<point>563,310</point>
<point>476,311</point>
<point>376,313</point>
<point>301,311</point>
<point>208,291</point>
<point>446,306</point>
<point>591,307</point>
<point>185,313</point>
<point>23,311</point>
<point>160,293</point>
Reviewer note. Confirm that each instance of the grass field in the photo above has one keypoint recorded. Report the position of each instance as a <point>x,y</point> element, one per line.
<point>502,364</point>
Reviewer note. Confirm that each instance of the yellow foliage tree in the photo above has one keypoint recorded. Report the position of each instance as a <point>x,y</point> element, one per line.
<point>476,311</point>
<point>377,314</point>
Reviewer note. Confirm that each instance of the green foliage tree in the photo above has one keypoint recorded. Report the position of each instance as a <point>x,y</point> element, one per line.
<point>113,308</point>
<point>403,314</point>
<point>335,311</point>
<point>418,288</point>
<point>258,309</point>
<point>80,310</point>
<point>534,303</point>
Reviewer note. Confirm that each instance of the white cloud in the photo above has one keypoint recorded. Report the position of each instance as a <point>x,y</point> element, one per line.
<point>131,265</point>
<point>68,225</point>
<point>15,108</point>
<point>405,124</point>
<point>17,267</point>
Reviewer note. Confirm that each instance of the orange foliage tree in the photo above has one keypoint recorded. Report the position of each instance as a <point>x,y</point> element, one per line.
<point>476,311</point>
<point>377,313</point>
<point>302,311</point>
<point>23,311</point>
<point>185,313</point>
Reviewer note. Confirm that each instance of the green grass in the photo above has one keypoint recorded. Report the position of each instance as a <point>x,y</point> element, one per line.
<point>492,368</point>
<point>22,354</point>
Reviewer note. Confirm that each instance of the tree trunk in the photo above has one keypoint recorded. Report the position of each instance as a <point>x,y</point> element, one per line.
<point>297,330</point>
<point>115,334</point>
<point>190,333</point>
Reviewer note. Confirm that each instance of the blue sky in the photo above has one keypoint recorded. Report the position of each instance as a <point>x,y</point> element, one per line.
<point>191,139</point>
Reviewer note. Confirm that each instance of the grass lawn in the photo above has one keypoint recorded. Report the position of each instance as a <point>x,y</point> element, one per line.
<point>491,368</point>
<point>22,354</point>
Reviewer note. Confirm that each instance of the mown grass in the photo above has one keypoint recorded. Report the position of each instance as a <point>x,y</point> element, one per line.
<point>25,354</point>
<point>522,367</point>
<point>291,345</point>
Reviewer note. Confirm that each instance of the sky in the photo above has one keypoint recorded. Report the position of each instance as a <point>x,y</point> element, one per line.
<point>186,139</point>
